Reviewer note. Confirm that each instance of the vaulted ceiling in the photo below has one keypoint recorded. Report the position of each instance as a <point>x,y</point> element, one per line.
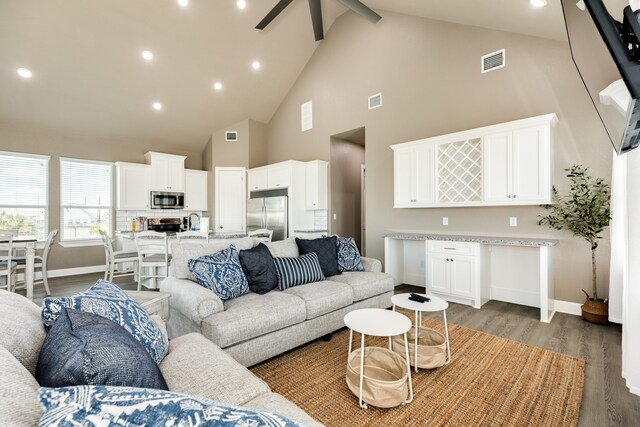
<point>89,76</point>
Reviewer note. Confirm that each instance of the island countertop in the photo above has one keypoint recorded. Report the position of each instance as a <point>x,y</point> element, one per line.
<point>486,240</point>
<point>212,235</point>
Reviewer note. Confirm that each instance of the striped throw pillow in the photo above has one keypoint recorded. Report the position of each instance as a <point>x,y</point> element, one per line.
<point>298,271</point>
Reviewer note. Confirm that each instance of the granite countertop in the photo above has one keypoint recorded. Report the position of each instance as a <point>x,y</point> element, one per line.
<point>309,231</point>
<point>486,240</point>
<point>212,235</point>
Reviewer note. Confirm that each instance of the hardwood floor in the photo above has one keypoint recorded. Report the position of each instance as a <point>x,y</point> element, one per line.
<point>606,399</point>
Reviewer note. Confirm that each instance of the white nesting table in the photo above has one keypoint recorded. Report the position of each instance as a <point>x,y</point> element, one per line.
<point>436,304</point>
<point>378,322</point>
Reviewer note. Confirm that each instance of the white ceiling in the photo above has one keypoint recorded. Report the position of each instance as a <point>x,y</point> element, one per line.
<point>89,77</point>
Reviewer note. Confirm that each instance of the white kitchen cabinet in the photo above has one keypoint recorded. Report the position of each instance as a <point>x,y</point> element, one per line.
<point>453,271</point>
<point>132,186</point>
<point>279,176</point>
<point>195,190</point>
<point>167,172</point>
<point>414,177</point>
<point>316,184</point>
<point>518,166</point>
<point>230,200</point>
<point>257,179</point>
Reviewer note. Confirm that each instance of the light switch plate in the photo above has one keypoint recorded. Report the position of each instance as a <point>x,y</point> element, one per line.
<point>335,217</point>
<point>513,221</point>
<point>445,220</point>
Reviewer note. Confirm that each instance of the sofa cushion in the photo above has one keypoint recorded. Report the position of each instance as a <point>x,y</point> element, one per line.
<point>252,315</point>
<point>327,250</point>
<point>19,404</point>
<point>108,300</point>
<point>276,404</point>
<point>125,406</point>
<point>84,348</point>
<point>298,270</point>
<point>323,297</point>
<point>198,367</point>
<point>365,284</point>
<point>283,248</point>
<point>181,253</point>
<point>348,255</point>
<point>22,330</point>
<point>220,272</point>
<point>258,266</point>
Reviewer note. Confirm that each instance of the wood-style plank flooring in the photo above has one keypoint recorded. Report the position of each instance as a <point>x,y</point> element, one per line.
<point>606,399</point>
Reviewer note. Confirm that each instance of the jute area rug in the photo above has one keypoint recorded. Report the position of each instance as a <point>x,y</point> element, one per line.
<point>491,381</point>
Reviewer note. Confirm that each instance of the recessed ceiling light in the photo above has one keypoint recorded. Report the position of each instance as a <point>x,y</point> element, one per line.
<point>255,65</point>
<point>183,3</point>
<point>157,106</point>
<point>24,73</point>
<point>217,86</point>
<point>148,56</point>
<point>241,4</point>
<point>538,3</point>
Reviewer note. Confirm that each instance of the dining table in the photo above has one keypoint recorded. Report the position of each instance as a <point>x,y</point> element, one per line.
<point>28,243</point>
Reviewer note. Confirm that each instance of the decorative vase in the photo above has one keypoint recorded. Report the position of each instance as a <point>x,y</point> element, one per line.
<point>596,311</point>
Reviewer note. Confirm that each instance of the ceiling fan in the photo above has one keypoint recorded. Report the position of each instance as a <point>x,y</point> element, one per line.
<point>316,14</point>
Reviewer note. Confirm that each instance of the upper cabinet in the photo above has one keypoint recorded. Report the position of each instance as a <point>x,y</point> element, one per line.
<point>195,193</point>
<point>279,176</point>
<point>167,172</point>
<point>316,184</point>
<point>132,186</point>
<point>257,179</point>
<point>504,164</point>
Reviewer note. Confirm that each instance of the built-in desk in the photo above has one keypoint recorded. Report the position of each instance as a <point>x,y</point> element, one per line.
<point>475,269</point>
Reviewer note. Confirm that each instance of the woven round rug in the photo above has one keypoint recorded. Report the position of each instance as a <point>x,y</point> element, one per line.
<point>491,381</point>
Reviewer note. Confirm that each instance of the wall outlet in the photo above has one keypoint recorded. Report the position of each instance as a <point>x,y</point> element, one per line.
<point>445,220</point>
<point>335,217</point>
<point>513,221</point>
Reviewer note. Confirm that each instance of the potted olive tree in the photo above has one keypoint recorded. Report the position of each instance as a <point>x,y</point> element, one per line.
<point>585,211</point>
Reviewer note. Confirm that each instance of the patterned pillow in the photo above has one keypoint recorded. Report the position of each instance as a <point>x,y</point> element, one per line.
<point>348,255</point>
<point>221,273</point>
<point>108,300</point>
<point>298,271</point>
<point>93,406</point>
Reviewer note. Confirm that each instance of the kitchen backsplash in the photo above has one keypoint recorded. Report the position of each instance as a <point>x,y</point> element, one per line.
<point>320,219</point>
<point>123,218</point>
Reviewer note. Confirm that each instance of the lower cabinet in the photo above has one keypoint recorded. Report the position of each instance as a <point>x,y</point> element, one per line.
<point>453,271</point>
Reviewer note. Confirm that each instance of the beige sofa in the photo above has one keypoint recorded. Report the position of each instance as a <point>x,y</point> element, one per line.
<point>193,366</point>
<point>252,327</point>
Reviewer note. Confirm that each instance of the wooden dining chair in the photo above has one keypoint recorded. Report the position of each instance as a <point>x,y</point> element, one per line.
<point>8,266</point>
<point>261,235</point>
<point>192,237</point>
<point>113,258</point>
<point>153,254</point>
<point>40,262</point>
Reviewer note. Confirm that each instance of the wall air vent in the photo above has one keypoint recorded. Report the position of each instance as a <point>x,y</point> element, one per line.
<point>306,116</point>
<point>375,101</point>
<point>493,61</point>
<point>231,135</point>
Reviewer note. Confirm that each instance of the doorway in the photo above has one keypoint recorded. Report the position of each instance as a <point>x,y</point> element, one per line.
<point>347,170</point>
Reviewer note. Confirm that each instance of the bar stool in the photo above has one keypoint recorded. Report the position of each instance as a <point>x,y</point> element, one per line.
<point>192,237</point>
<point>113,258</point>
<point>7,265</point>
<point>152,254</point>
<point>40,262</point>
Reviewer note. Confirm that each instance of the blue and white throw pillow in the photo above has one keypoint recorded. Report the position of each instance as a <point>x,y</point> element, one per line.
<point>348,255</point>
<point>221,272</point>
<point>296,271</point>
<point>108,300</point>
<point>93,406</point>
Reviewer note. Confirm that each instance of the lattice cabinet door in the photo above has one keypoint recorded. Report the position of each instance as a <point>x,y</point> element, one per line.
<point>459,171</point>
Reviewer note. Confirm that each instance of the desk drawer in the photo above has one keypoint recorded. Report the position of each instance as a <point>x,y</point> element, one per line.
<point>458,248</point>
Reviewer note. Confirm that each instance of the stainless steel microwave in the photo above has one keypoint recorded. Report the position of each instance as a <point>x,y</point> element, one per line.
<point>164,200</point>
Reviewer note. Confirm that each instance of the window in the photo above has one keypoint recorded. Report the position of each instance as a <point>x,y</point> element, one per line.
<point>85,199</point>
<point>23,193</point>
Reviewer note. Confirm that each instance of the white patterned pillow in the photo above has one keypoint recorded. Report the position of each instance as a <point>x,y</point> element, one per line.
<point>348,255</point>
<point>108,300</point>
<point>93,406</point>
<point>182,252</point>
<point>221,272</point>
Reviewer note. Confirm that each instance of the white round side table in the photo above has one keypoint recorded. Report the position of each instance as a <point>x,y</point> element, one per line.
<point>378,322</point>
<point>435,304</point>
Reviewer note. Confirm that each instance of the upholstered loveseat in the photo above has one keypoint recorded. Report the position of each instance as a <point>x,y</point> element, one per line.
<point>193,366</point>
<point>252,328</point>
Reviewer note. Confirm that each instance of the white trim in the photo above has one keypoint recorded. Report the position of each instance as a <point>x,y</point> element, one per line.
<point>615,320</point>
<point>33,156</point>
<point>64,272</point>
<point>568,307</point>
<point>632,389</point>
<point>91,162</point>
<point>80,243</point>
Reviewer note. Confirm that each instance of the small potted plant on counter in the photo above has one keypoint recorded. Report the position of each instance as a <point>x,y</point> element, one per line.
<point>586,212</point>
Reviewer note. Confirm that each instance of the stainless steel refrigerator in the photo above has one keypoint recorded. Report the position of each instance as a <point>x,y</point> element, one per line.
<point>268,209</point>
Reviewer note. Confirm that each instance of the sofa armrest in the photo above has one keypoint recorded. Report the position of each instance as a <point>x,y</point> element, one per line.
<point>192,300</point>
<point>371,264</point>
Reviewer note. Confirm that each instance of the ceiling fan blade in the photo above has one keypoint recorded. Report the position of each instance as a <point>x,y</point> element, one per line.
<point>272,14</point>
<point>316,19</point>
<point>361,10</point>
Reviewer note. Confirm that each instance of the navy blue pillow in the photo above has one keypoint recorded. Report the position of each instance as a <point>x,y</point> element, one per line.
<point>257,264</point>
<point>327,250</point>
<point>86,349</point>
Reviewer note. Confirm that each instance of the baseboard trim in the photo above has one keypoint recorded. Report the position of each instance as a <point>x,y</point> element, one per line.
<point>633,389</point>
<point>68,272</point>
<point>567,307</point>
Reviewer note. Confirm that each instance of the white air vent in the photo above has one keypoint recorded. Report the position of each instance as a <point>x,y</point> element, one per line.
<point>493,61</point>
<point>306,116</point>
<point>231,135</point>
<point>375,101</point>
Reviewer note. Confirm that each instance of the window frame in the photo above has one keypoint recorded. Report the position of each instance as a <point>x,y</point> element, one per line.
<point>91,241</point>
<point>47,160</point>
